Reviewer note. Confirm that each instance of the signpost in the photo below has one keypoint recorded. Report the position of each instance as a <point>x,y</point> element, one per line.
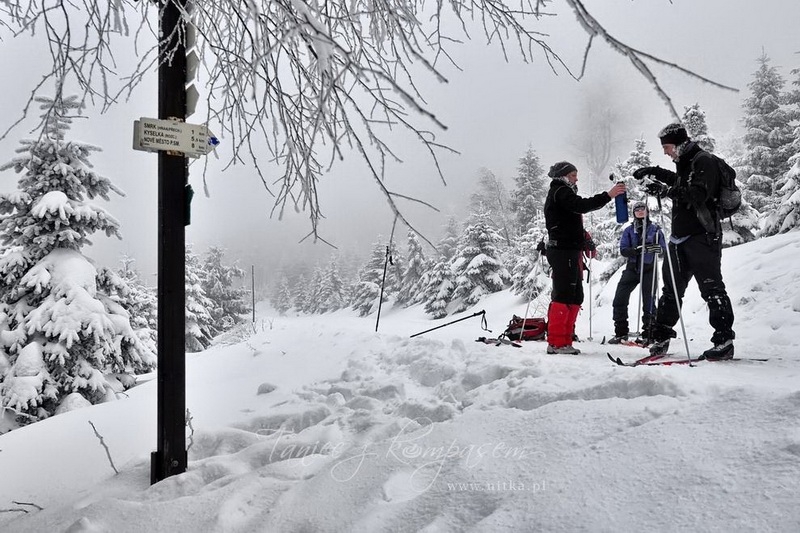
<point>174,140</point>
<point>153,135</point>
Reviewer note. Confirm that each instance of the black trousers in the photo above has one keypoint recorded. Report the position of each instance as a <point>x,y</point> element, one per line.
<point>698,257</point>
<point>627,283</point>
<point>567,266</point>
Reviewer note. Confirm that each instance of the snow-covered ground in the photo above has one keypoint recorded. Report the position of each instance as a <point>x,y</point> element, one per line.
<point>321,424</point>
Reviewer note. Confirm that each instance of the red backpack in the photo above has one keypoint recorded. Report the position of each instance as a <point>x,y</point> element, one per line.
<point>535,329</point>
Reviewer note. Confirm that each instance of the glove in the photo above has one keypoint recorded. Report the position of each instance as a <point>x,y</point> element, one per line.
<point>641,173</point>
<point>653,248</point>
<point>589,248</point>
<point>657,189</point>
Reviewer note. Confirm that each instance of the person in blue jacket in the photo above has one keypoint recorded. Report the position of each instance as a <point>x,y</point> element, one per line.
<point>630,246</point>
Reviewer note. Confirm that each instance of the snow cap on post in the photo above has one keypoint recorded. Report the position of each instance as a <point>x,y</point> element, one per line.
<point>561,169</point>
<point>673,133</point>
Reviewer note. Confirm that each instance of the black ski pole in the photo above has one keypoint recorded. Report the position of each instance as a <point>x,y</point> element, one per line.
<point>383,281</point>
<point>483,323</point>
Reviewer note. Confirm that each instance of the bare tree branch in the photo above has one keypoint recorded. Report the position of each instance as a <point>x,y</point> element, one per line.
<point>291,85</point>
<point>103,444</point>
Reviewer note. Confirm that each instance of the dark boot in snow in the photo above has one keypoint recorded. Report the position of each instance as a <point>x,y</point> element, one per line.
<point>617,339</point>
<point>659,347</point>
<point>720,352</point>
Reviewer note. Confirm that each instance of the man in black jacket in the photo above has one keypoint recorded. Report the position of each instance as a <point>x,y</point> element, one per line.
<point>695,247</point>
<point>567,242</point>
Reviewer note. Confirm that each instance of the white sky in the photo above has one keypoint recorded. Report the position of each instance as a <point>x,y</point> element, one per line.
<point>493,111</point>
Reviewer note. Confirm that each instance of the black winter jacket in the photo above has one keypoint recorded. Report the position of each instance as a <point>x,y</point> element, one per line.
<point>694,189</point>
<point>563,215</point>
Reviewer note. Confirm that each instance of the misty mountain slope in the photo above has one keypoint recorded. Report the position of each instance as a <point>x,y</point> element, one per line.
<point>320,424</point>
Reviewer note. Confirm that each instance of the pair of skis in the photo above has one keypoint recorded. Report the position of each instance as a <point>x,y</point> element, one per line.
<point>659,360</point>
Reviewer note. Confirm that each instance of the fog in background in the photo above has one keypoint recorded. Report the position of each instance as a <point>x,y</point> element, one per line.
<point>494,111</point>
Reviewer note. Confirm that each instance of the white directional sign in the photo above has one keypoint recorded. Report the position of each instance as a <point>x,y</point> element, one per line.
<point>153,135</point>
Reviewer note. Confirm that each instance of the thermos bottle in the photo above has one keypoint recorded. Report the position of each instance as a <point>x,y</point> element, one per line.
<point>621,206</point>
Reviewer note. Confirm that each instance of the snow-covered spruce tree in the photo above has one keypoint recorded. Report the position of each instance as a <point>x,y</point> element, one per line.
<point>439,289</point>
<point>282,299</point>
<point>299,292</point>
<point>787,215</point>
<point>531,185</point>
<point>638,157</point>
<point>767,139</point>
<point>65,342</point>
<point>528,278</point>
<point>228,303</point>
<point>367,289</point>
<point>694,119</point>
<point>439,280</point>
<point>414,275</point>
<point>493,199</point>
<point>332,292</point>
<point>477,265</point>
<point>200,328</point>
<point>126,287</point>
<point>448,244</point>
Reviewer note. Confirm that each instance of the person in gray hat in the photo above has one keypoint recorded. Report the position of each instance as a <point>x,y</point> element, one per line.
<point>641,254</point>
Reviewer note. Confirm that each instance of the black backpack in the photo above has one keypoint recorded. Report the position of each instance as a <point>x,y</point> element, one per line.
<point>730,196</point>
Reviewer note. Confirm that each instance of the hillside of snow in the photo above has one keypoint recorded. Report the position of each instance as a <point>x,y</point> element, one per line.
<point>318,423</point>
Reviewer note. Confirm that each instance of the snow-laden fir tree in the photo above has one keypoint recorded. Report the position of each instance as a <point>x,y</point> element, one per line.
<point>528,273</point>
<point>332,294</point>
<point>448,244</point>
<point>228,303</point>
<point>126,287</point>
<point>439,282</point>
<point>639,157</point>
<point>531,186</point>
<point>414,276</point>
<point>767,138</point>
<point>694,120</point>
<point>371,278</point>
<point>299,292</point>
<point>492,198</point>
<point>438,292</point>
<point>63,340</point>
<point>200,328</point>
<point>282,299</point>
<point>477,266</point>
<point>312,296</point>
<point>787,215</point>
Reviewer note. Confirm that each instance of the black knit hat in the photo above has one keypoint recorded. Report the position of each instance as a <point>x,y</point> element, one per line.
<point>560,169</point>
<point>673,133</point>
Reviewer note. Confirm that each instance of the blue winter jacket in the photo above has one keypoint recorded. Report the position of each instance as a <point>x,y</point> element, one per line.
<point>631,240</point>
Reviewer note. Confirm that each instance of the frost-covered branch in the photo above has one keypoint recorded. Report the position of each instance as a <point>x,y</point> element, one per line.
<point>104,445</point>
<point>636,57</point>
<point>294,85</point>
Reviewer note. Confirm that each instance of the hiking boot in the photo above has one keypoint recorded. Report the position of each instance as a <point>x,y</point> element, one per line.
<point>617,339</point>
<point>644,342</point>
<point>659,347</point>
<point>720,352</point>
<point>568,350</point>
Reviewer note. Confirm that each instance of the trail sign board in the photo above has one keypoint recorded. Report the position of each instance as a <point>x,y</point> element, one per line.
<point>153,135</point>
